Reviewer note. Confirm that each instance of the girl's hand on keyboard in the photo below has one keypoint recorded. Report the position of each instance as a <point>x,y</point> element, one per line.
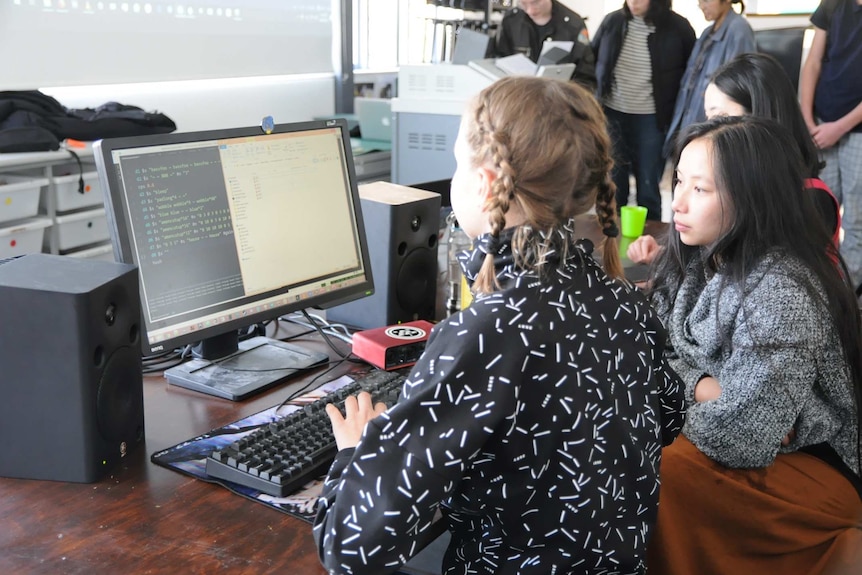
<point>358,410</point>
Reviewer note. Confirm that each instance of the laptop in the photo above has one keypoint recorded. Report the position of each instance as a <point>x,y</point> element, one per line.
<point>469,45</point>
<point>555,52</point>
<point>488,68</point>
<point>558,71</point>
<point>375,118</point>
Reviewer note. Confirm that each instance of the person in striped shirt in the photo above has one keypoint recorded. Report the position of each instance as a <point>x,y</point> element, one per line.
<point>641,53</point>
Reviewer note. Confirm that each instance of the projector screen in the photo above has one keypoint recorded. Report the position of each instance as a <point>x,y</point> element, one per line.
<point>88,42</point>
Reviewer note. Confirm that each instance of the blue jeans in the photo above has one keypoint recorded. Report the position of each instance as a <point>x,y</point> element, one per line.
<point>637,145</point>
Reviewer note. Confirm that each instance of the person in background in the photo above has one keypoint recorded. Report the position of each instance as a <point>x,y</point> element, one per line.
<point>534,419</point>
<point>526,28</point>
<point>728,36</point>
<point>756,84</point>
<point>641,52</point>
<point>766,336</point>
<point>831,98</point>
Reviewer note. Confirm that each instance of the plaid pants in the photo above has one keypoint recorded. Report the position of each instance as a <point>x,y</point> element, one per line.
<point>843,174</point>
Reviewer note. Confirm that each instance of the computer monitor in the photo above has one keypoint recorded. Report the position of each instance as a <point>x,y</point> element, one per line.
<point>230,228</point>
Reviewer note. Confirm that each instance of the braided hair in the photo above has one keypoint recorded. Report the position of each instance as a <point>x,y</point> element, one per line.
<point>546,141</point>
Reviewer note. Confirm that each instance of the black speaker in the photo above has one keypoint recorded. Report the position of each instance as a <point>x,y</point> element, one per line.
<point>401,225</point>
<point>71,393</point>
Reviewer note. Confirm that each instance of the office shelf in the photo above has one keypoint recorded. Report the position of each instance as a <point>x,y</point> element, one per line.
<point>50,214</point>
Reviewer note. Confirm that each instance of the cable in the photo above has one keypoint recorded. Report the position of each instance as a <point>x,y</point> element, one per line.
<point>325,336</point>
<point>308,385</point>
<point>305,388</point>
<point>80,170</point>
<point>175,357</point>
<point>337,330</point>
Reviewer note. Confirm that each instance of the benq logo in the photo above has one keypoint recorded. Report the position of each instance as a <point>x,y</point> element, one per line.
<point>405,332</point>
<point>157,348</point>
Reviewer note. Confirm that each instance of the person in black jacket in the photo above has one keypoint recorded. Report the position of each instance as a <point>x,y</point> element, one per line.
<point>641,52</point>
<point>534,419</point>
<point>525,29</point>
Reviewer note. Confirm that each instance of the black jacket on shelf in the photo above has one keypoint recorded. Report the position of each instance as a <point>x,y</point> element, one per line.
<point>31,121</point>
<point>669,48</point>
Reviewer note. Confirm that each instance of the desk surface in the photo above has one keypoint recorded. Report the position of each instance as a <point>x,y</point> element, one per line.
<point>587,225</point>
<point>143,518</point>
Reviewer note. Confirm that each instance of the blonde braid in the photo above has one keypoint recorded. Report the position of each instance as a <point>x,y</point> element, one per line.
<point>502,189</point>
<point>551,161</point>
<point>606,210</point>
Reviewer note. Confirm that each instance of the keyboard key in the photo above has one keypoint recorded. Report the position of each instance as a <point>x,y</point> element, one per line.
<point>282,456</point>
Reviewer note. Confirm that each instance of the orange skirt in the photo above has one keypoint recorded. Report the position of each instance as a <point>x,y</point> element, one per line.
<point>798,516</point>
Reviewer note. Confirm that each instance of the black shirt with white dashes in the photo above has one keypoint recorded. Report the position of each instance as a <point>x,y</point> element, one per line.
<point>534,421</point>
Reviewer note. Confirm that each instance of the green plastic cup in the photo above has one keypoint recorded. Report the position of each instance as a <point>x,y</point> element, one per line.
<point>632,220</point>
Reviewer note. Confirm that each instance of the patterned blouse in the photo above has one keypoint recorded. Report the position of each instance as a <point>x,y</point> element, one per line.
<point>534,421</point>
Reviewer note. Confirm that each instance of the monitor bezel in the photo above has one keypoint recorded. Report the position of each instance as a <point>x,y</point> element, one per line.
<point>119,225</point>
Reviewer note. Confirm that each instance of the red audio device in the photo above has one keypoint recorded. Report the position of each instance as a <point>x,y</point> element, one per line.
<point>394,346</point>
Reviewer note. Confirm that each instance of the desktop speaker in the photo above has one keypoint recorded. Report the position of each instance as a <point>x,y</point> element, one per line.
<point>401,225</point>
<point>72,391</point>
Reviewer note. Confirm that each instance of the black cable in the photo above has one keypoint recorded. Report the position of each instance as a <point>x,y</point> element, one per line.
<point>162,361</point>
<point>264,370</point>
<point>147,370</point>
<point>305,388</point>
<point>323,335</point>
<point>300,334</point>
<point>80,170</point>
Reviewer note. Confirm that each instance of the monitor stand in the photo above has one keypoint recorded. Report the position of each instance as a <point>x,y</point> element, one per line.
<point>258,364</point>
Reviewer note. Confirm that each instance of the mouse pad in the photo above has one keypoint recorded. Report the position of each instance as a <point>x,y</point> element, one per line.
<point>189,457</point>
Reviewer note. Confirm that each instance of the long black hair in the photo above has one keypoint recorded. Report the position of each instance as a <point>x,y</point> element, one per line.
<point>657,9</point>
<point>756,162</point>
<point>758,83</point>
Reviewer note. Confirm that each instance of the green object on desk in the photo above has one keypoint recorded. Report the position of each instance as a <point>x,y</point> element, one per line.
<point>632,220</point>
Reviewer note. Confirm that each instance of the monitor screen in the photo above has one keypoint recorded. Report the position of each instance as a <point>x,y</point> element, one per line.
<point>233,227</point>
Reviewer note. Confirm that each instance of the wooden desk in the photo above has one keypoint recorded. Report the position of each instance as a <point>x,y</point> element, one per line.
<point>143,518</point>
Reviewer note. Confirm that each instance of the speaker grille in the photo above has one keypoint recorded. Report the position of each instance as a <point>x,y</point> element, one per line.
<point>416,286</point>
<point>119,399</point>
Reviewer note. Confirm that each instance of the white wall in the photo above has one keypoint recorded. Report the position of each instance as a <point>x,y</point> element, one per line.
<point>214,104</point>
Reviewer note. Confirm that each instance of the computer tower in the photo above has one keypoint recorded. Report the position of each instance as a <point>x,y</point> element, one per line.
<point>401,225</point>
<point>71,387</point>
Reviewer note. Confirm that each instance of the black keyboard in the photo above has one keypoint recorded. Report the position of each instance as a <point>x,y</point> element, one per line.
<point>284,455</point>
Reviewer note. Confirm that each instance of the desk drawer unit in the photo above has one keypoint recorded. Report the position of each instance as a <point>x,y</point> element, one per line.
<point>81,228</point>
<point>19,197</point>
<point>24,237</point>
<point>66,190</point>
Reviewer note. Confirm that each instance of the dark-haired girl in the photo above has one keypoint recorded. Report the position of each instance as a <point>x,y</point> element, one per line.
<point>766,336</point>
<point>757,85</point>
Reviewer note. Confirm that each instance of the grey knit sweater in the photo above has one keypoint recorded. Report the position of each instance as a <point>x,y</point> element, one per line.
<point>777,357</point>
